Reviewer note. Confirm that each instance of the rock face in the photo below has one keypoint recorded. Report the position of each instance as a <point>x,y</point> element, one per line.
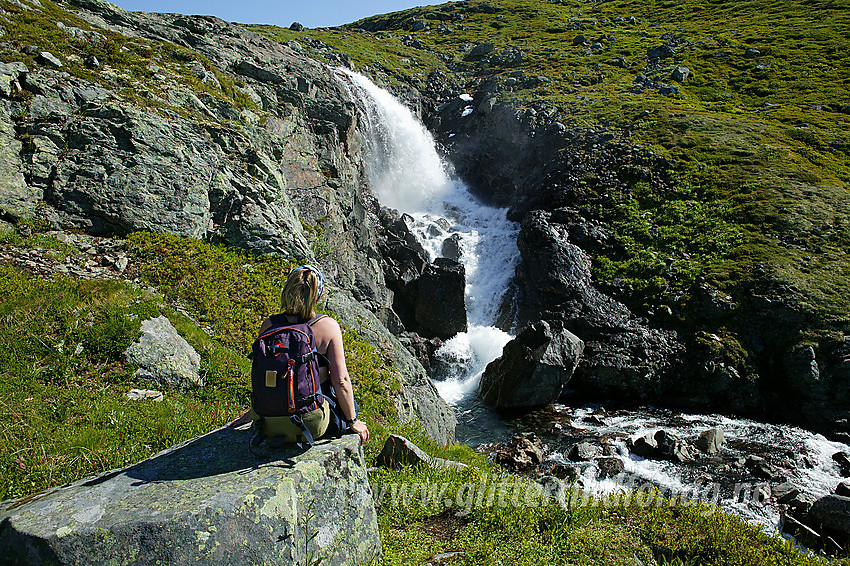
<point>208,500</point>
<point>418,399</point>
<point>164,357</point>
<point>440,302</point>
<point>533,369</point>
<point>622,355</point>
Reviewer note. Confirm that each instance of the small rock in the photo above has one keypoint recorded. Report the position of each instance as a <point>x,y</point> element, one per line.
<point>399,452</point>
<point>681,73</point>
<point>843,461</point>
<point>480,50</point>
<point>564,472</point>
<point>843,489</point>
<point>584,452</point>
<point>785,492</point>
<point>92,62</point>
<point>667,90</point>
<point>579,40</point>
<point>47,58</point>
<point>660,52</point>
<point>711,441</point>
<point>610,467</point>
<point>164,357</point>
<point>142,394</point>
<point>295,26</point>
<point>523,452</point>
<point>644,446</point>
<point>121,263</point>
<point>29,50</point>
<point>419,25</point>
<point>595,46</point>
<point>751,53</point>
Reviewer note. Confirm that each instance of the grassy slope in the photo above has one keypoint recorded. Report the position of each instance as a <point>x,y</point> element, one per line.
<point>760,146</point>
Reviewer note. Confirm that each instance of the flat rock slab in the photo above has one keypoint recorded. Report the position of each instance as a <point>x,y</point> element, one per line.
<point>209,501</point>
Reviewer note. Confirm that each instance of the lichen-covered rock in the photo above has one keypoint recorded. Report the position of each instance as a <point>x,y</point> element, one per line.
<point>164,357</point>
<point>209,501</point>
<point>17,199</point>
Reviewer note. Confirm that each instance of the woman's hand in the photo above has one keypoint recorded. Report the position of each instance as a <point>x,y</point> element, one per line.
<point>360,428</point>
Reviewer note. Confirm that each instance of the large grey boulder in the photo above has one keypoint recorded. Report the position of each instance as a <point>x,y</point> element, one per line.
<point>164,357</point>
<point>832,512</point>
<point>533,369</point>
<point>206,501</point>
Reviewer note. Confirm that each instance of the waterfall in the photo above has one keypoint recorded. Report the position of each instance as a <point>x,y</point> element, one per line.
<point>406,172</point>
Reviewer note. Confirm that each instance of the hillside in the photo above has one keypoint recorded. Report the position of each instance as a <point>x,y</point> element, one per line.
<point>724,192</point>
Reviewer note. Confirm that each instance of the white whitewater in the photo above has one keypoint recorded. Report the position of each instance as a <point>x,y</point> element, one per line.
<point>406,173</point>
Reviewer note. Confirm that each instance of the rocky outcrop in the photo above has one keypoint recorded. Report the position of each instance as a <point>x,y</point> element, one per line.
<point>164,357</point>
<point>418,399</point>
<point>623,356</point>
<point>533,369</point>
<point>440,301</point>
<point>208,500</point>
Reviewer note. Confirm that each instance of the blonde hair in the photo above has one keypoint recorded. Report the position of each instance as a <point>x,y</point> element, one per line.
<point>300,294</point>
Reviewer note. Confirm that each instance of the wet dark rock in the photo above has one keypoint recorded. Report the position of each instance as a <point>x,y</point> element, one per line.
<point>523,452</point>
<point>785,492</point>
<point>711,441</point>
<point>833,513</point>
<point>622,356</point>
<point>644,446</point>
<point>843,461</point>
<point>672,448</point>
<point>564,472</point>
<point>533,369</point>
<point>802,532</point>
<point>451,247</point>
<point>843,489</point>
<point>760,468</point>
<point>584,452</point>
<point>610,467</point>
<point>440,300</point>
<point>404,260</point>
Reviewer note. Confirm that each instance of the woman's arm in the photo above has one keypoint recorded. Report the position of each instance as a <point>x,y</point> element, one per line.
<point>341,380</point>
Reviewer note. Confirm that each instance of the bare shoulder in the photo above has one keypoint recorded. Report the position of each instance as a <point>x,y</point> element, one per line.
<point>327,324</point>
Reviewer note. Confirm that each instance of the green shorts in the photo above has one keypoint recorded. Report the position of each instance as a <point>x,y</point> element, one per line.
<point>316,421</point>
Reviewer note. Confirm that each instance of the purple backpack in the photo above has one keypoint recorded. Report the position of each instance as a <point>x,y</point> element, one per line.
<point>285,377</point>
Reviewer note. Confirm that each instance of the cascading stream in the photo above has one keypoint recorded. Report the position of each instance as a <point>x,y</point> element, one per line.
<point>406,173</point>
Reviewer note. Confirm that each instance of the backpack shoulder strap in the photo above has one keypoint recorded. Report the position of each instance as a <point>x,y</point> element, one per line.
<point>316,319</point>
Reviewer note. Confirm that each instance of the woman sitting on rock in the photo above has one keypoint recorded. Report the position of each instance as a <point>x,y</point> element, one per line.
<point>279,408</point>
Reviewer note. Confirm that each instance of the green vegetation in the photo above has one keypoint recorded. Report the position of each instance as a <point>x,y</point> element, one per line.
<point>759,144</point>
<point>140,71</point>
<point>497,519</point>
<point>65,417</point>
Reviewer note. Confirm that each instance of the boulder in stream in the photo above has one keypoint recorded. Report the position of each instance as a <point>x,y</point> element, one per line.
<point>711,441</point>
<point>533,369</point>
<point>441,303</point>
